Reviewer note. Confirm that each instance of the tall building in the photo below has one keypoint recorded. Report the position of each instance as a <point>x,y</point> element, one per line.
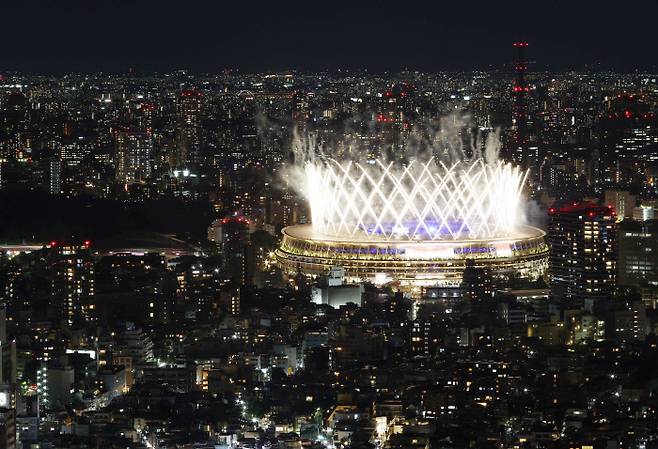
<point>621,201</point>
<point>188,145</point>
<point>582,239</point>
<point>237,251</point>
<point>147,111</point>
<point>638,252</point>
<point>72,286</point>
<point>520,91</point>
<point>393,117</point>
<point>55,184</point>
<point>637,265</point>
<point>133,156</point>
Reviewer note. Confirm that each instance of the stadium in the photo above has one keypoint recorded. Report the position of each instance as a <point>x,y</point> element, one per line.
<point>415,224</point>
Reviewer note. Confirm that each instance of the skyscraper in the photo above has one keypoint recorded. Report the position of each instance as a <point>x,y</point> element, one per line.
<point>73,282</point>
<point>525,149</point>
<point>582,239</point>
<point>638,258</point>
<point>236,249</point>
<point>520,106</point>
<point>638,252</point>
<point>133,156</point>
<point>188,145</point>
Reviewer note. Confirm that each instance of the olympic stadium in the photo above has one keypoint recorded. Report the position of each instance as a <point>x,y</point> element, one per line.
<point>416,224</point>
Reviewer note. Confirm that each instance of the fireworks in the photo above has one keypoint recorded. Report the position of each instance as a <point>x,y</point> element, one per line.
<point>422,201</point>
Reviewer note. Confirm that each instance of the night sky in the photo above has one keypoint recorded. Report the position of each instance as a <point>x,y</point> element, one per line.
<point>74,35</point>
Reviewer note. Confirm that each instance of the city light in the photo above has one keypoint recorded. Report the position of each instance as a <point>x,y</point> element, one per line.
<point>214,244</point>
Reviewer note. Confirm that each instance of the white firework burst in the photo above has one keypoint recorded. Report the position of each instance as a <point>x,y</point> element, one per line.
<point>421,201</point>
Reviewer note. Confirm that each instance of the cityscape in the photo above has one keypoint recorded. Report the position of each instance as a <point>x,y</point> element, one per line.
<point>330,259</point>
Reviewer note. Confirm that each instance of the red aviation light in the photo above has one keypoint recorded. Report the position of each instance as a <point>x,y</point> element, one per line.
<point>521,89</point>
<point>190,93</point>
<point>87,243</point>
<point>53,244</point>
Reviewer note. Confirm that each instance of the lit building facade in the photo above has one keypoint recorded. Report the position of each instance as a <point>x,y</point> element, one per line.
<point>638,252</point>
<point>73,282</point>
<point>638,258</point>
<point>188,147</point>
<point>133,157</point>
<point>582,239</point>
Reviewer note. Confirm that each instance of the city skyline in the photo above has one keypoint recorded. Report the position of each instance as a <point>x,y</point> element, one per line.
<point>462,256</point>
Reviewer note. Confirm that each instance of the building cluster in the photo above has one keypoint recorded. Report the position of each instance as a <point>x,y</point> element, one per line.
<point>148,341</point>
<point>223,137</point>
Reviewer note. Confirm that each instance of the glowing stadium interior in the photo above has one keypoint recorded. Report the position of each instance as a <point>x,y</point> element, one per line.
<point>418,263</point>
<point>417,224</point>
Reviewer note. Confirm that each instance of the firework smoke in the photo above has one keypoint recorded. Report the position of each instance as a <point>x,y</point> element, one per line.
<point>444,182</point>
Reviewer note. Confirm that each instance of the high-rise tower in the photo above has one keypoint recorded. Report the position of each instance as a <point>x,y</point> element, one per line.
<point>583,240</point>
<point>520,91</point>
<point>188,146</point>
<point>72,287</point>
<point>133,156</point>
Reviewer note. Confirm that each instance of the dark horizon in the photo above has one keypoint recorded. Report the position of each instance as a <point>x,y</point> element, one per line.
<point>72,36</point>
